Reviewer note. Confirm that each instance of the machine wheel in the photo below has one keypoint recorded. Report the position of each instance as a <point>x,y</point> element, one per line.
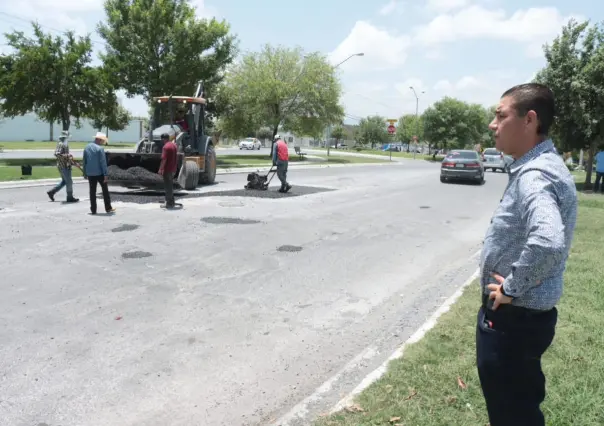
<point>189,175</point>
<point>209,174</point>
<point>443,179</point>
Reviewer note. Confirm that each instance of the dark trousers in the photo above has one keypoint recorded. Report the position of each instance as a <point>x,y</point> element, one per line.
<point>282,173</point>
<point>169,189</point>
<point>92,182</point>
<point>508,357</point>
<point>599,177</point>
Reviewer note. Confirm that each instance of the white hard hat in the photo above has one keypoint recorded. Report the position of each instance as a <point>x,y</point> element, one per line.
<point>277,136</point>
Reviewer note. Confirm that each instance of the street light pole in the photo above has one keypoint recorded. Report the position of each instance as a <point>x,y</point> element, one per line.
<point>328,135</point>
<point>416,117</point>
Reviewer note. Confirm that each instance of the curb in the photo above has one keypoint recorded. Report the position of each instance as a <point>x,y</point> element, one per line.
<point>414,338</point>
<point>16,184</point>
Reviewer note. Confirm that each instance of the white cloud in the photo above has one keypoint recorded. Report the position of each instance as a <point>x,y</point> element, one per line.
<point>532,26</point>
<point>382,49</point>
<point>441,6</point>
<point>203,10</point>
<point>391,7</point>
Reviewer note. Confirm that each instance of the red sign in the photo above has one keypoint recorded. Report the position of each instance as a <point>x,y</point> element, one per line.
<point>391,129</point>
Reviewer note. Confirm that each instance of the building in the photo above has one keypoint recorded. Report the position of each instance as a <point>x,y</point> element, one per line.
<point>30,128</point>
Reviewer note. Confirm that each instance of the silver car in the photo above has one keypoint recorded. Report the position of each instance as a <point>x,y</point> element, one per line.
<point>494,160</point>
<point>462,165</point>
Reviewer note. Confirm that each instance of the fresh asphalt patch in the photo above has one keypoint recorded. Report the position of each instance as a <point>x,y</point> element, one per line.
<point>289,249</point>
<point>147,197</point>
<point>136,254</point>
<point>215,220</point>
<point>125,227</point>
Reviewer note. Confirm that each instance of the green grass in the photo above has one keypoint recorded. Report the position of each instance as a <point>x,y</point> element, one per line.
<point>422,388</point>
<point>51,145</point>
<point>45,168</point>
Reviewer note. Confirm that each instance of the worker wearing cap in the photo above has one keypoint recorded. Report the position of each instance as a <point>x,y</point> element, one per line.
<point>64,163</point>
<point>281,160</point>
<point>167,168</point>
<point>95,170</point>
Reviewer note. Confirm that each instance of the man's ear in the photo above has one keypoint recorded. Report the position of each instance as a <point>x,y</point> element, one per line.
<point>531,119</point>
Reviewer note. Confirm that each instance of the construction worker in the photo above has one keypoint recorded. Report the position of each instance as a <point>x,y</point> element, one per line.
<point>281,160</point>
<point>95,170</point>
<point>64,163</point>
<point>167,168</point>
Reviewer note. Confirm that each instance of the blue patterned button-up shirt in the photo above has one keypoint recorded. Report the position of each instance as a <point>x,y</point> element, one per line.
<point>531,231</point>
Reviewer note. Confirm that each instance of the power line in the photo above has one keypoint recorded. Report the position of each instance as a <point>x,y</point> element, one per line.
<point>29,21</point>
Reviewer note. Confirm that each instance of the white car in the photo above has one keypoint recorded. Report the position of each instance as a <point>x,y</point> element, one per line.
<point>494,160</point>
<point>250,143</point>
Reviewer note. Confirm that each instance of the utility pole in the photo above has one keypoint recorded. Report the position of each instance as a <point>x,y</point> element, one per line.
<point>328,132</point>
<point>416,117</point>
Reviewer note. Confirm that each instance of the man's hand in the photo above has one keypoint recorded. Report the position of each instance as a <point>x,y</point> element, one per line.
<point>496,294</point>
<point>106,179</point>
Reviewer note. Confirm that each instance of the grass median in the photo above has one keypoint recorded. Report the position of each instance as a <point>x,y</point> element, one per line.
<point>436,383</point>
<point>45,168</point>
<point>23,145</point>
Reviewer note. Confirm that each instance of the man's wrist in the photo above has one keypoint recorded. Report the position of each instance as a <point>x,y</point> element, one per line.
<point>505,292</point>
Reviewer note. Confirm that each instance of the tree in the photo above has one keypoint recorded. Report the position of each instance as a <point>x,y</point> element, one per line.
<point>408,127</point>
<point>372,130</point>
<point>115,119</point>
<point>159,47</point>
<point>454,123</point>
<point>264,133</point>
<point>338,134</point>
<point>52,77</point>
<point>280,88</point>
<point>574,73</point>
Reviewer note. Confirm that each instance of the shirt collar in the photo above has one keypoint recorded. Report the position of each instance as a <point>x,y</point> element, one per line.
<point>539,149</point>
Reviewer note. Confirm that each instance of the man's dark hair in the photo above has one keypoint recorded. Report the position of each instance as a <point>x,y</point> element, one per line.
<point>165,136</point>
<point>534,97</point>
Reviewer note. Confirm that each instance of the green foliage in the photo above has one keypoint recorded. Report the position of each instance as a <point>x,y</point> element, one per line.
<point>159,47</point>
<point>409,126</point>
<point>372,130</point>
<point>280,88</point>
<point>453,123</point>
<point>264,133</point>
<point>52,77</point>
<point>575,73</point>
<point>338,133</point>
<point>115,118</point>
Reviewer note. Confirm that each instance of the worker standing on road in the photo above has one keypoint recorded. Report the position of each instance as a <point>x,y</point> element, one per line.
<point>64,163</point>
<point>523,259</point>
<point>167,168</point>
<point>281,160</point>
<point>95,170</point>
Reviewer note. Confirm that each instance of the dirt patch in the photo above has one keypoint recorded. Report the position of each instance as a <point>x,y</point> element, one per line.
<point>289,249</point>
<point>136,254</point>
<point>216,220</point>
<point>125,228</point>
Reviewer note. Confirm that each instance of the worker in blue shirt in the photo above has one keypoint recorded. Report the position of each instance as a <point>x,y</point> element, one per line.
<point>95,170</point>
<point>599,170</point>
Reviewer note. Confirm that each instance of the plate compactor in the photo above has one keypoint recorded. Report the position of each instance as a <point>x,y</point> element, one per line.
<point>261,182</point>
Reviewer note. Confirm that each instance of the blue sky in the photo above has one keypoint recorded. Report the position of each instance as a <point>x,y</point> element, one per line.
<point>470,49</point>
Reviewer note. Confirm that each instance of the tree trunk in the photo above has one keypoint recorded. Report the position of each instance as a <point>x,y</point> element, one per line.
<point>66,121</point>
<point>590,163</point>
<point>275,130</point>
<point>52,132</point>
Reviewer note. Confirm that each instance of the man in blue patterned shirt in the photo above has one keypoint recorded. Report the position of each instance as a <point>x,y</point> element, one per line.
<point>64,163</point>
<point>523,259</point>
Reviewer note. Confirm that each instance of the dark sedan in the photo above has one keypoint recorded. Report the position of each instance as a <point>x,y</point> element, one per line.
<point>462,165</point>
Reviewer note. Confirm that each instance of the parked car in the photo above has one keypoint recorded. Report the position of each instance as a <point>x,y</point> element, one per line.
<point>250,143</point>
<point>462,165</point>
<point>494,160</point>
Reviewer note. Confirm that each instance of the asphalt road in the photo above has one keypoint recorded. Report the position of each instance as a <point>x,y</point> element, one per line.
<point>231,310</point>
<point>41,153</point>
